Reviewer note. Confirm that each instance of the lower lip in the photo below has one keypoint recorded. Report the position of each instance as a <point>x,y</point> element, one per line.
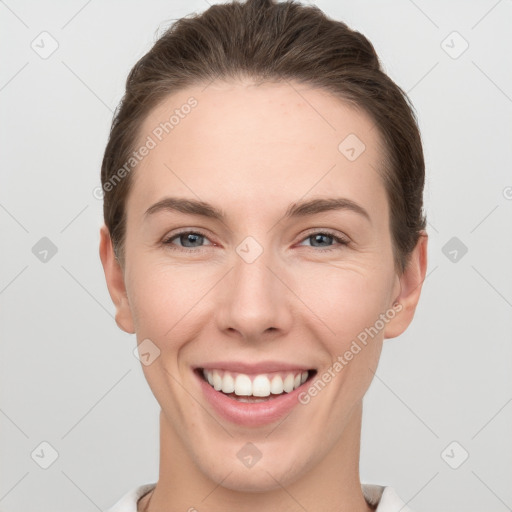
<point>250,414</point>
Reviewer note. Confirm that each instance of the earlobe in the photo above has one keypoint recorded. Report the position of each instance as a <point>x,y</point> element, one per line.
<point>115,282</point>
<point>411,282</point>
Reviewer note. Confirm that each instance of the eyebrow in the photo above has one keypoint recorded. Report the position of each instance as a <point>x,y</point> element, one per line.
<point>298,209</point>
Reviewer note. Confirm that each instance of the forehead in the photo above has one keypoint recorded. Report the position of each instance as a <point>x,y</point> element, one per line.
<point>246,144</point>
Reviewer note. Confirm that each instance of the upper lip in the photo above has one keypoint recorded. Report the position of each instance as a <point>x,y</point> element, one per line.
<point>254,368</point>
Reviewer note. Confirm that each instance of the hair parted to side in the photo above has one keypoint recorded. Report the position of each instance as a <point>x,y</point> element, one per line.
<point>267,41</point>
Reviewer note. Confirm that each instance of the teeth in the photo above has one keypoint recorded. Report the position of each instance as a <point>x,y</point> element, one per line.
<point>276,386</point>
<point>217,380</point>
<point>228,384</point>
<point>260,386</point>
<point>288,382</point>
<point>254,401</point>
<point>243,385</point>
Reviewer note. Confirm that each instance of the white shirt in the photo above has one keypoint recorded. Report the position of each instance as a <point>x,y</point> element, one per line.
<point>385,497</point>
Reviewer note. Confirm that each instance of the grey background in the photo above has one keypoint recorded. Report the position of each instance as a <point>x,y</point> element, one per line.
<point>68,374</point>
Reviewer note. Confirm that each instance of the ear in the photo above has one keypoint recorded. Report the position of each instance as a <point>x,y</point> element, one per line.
<point>411,282</point>
<point>115,282</point>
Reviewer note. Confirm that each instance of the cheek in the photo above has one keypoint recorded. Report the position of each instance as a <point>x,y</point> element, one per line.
<point>163,296</point>
<point>347,300</point>
<point>166,298</point>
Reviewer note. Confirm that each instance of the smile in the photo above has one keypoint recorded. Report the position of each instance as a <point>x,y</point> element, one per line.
<point>252,398</point>
<point>238,385</point>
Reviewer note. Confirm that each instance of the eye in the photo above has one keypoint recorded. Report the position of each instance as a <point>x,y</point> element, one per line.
<point>189,240</point>
<point>323,236</point>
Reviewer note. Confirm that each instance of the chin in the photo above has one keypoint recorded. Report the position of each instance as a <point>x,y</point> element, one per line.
<point>253,480</point>
<point>262,476</point>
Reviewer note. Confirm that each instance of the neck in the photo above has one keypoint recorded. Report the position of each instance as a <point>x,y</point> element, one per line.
<point>331,485</point>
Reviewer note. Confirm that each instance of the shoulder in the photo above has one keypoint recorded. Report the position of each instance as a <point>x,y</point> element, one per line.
<point>385,499</point>
<point>128,502</point>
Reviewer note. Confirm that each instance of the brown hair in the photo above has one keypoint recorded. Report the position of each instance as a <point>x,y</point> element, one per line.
<point>269,41</point>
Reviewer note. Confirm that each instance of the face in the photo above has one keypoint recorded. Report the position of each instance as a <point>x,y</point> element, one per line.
<point>258,247</point>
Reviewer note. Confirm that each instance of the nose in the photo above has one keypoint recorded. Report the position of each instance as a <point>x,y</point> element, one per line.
<point>255,301</point>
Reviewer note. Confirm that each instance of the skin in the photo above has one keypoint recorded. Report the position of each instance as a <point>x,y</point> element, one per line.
<point>251,151</point>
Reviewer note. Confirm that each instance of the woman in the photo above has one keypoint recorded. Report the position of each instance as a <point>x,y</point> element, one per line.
<point>264,233</point>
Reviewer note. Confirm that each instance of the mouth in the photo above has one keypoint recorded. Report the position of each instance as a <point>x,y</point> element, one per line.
<point>255,388</point>
<point>255,398</point>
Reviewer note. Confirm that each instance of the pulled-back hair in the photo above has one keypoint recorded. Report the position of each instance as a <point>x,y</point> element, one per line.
<point>266,41</point>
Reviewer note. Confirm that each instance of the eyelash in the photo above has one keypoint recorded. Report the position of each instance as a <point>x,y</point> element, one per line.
<point>168,241</point>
